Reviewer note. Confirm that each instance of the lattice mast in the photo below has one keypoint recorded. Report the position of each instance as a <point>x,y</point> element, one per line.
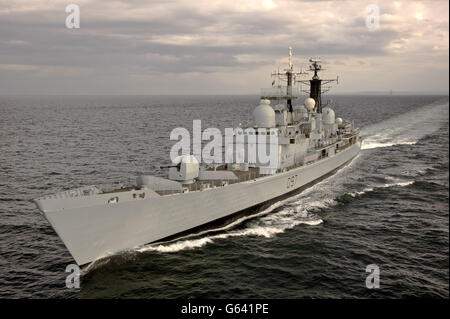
<point>289,76</point>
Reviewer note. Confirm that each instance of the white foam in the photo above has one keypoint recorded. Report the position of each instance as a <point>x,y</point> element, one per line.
<point>266,224</point>
<point>405,129</point>
<point>364,191</point>
<point>176,246</point>
<point>267,227</point>
<point>367,144</point>
<point>399,184</point>
<point>371,189</point>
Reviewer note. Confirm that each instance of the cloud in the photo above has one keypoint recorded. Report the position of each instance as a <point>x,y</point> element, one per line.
<point>220,40</point>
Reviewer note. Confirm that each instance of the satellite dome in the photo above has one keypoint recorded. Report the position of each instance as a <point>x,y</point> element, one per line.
<point>264,115</point>
<point>328,115</point>
<point>309,103</point>
<point>339,120</point>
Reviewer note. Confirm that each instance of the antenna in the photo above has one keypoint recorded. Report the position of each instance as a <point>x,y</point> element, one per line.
<point>290,58</point>
<point>315,83</point>
<point>289,76</point>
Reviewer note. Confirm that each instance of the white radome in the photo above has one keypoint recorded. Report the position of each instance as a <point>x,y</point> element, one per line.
<point>309,103</point>
<point>339,120</point>
<point>328,115</point>
<point>264,115</point>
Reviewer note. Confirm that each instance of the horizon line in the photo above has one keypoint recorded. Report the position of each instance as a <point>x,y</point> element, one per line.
<point>388,93</point>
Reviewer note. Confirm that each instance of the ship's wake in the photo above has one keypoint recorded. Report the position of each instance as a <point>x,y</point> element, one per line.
<point>406,128</point>
<point>276,219</point>
<point>373,188</point>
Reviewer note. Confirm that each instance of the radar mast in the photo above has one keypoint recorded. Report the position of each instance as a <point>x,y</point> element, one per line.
<point>316,82</point>
<point>289,76</point>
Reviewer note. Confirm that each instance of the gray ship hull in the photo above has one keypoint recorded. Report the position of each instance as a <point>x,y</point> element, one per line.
<point>92,230</point>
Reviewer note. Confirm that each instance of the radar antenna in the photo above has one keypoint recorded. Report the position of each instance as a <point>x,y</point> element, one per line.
<point>287,75</point>
<point>290,58</point>
<point>315,83</point>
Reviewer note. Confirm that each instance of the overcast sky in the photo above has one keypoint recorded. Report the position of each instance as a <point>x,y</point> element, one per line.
<point>218,47</point>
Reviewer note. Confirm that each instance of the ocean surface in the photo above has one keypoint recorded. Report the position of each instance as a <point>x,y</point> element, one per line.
<point>388,207</point>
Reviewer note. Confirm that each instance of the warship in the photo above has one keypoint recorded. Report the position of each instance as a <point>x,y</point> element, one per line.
<point>311,143</point>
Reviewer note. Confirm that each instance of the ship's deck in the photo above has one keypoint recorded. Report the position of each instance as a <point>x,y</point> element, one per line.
<point>199,185</point>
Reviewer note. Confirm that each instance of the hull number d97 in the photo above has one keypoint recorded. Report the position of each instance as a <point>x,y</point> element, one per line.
<point>291,181</point>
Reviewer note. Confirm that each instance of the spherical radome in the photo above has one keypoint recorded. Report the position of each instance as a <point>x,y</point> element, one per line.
<point>309,103</point>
